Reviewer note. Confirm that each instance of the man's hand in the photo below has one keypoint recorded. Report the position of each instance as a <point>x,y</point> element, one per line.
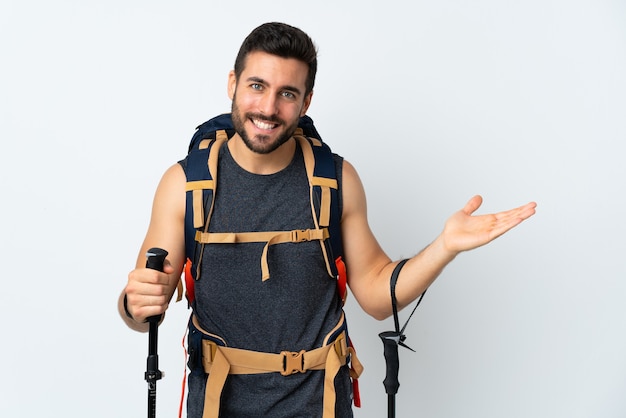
<point>464,232</point>
<point>148,291</point>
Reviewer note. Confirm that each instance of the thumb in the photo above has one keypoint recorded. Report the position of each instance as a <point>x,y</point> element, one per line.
<point>473,204</point>
<point>167,267</point>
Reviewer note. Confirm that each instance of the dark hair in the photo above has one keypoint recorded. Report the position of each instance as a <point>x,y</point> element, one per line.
<point>281,40</point>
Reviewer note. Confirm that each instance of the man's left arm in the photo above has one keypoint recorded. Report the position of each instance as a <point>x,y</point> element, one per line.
<point>369,268</point>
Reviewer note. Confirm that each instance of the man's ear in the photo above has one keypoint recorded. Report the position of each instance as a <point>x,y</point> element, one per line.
<point>306,104</point>
<point>232,84</point>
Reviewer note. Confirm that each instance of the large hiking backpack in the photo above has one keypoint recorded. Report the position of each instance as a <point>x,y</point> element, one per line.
<point>201,172</point>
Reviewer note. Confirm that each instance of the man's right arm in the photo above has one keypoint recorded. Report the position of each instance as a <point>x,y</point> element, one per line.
<point>148,292</point>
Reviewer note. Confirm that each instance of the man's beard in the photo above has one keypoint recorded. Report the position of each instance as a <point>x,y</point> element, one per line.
<point>262,145</point>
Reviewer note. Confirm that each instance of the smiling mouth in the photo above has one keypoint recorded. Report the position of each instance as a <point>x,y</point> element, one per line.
<point>267,126</point>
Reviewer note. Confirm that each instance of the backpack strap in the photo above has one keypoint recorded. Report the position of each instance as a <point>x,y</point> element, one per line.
<point>320,194</point>
<point>320,211</point>
<point>268,237</point>
<point>219,361</point>
<point>203,205</point>
<point>198,187</point>
<point>201,172</point>
<point>325,197</point>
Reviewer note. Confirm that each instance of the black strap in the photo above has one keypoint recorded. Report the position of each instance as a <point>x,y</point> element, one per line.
<point>392,340</point>
<point>392,285</point>
<point>394,302</point>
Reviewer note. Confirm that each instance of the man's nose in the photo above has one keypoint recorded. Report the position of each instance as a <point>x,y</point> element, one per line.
<point>268,104</point>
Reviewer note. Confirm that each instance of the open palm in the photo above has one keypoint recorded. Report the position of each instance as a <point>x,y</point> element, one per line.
<point>464,231</point>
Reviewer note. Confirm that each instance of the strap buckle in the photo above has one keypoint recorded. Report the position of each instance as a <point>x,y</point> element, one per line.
<point>341,347</point>
<point>292,362</point>
<point>300,235</point>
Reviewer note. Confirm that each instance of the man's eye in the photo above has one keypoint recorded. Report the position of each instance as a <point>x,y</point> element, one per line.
<point>256,86</point>
<point>289,95</point>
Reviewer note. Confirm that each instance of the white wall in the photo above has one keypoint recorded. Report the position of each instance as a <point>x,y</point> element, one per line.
<point>432,101</point>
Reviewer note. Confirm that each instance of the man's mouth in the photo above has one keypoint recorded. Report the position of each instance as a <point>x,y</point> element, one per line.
<point>265,125</point>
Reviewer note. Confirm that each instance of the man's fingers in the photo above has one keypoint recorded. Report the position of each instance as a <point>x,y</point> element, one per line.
<point>142,306</point>
<point>150,276</point>
<point>511,218</point>
<point>521,213</point>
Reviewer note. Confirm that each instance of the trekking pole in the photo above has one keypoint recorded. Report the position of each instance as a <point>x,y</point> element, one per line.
<point>155,259</point>
<point>391,341</point>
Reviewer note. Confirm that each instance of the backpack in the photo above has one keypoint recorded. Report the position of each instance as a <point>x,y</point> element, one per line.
<point>201,186</point>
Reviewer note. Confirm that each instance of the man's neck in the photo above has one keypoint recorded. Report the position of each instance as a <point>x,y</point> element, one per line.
<point>262,164</point>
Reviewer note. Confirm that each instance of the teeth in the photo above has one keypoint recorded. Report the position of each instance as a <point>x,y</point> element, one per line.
<point>263,125</point>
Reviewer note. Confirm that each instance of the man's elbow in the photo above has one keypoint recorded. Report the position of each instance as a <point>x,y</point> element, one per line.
<point>380,313</point>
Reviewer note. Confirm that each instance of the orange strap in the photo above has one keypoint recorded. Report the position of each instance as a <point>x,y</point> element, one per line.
<point>269,237</point>
<point>198,201</point>
<point>220,361</point>
<point>325,184</point>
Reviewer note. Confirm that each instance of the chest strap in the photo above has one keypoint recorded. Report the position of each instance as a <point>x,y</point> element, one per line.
<point>219,361</point>
<point>269,237</point>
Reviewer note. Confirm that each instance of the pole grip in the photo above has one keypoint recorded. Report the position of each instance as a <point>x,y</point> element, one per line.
<point>391,340</point>
<point>155,258</point>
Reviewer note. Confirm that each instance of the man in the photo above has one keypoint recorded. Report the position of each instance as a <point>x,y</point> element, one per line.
<point>263,187</point>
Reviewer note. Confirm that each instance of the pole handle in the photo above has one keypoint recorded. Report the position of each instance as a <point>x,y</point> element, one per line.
<point>155,258</point>
<point>391,340</point>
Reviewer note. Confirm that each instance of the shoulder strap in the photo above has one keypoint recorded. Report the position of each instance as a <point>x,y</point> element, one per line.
<point>208,129</point>
<point>201,172</point>
<point>322,186</point>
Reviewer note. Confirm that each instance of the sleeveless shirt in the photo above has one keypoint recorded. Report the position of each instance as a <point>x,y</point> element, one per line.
<point>293,310</point>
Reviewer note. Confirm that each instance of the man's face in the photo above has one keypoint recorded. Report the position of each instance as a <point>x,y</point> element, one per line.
<point>268,100</point>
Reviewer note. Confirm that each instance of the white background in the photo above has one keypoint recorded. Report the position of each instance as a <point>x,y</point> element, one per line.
<point>431,101</point>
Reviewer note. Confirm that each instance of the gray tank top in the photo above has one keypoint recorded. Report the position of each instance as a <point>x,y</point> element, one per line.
<point>293,310</point>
